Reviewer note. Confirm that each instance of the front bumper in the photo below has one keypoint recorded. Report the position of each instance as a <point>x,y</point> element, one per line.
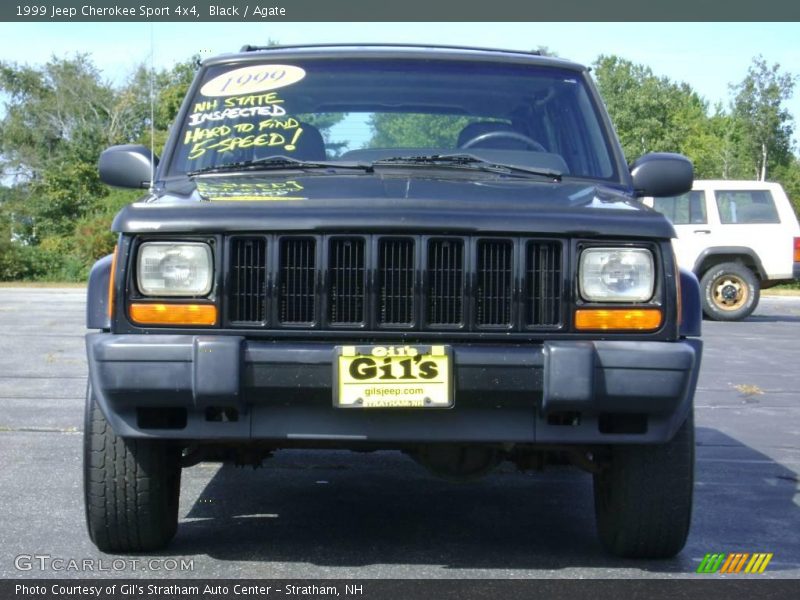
<point>233,388</point>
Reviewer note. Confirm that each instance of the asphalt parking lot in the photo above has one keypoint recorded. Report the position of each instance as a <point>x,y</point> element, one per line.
<point>341,514</point>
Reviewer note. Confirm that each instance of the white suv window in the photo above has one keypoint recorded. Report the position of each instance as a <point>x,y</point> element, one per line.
<point>743,206</point>
<point>689,208</point>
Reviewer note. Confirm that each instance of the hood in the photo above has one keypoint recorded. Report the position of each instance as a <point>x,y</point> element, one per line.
<point>392,203</point>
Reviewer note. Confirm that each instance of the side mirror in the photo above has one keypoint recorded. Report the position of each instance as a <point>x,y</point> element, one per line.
<point>127,166</point>
<point>662,174</point>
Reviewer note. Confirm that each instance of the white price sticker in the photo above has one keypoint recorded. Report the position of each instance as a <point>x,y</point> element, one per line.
<point>252,80</point>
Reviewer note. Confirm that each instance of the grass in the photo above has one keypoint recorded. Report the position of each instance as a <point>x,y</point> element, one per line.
<point>44,284</point>
<point>789,289</point>
<point>748,390</point>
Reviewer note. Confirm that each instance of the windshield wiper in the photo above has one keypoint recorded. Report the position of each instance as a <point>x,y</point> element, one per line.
<point>466,161</point>
<point>267,163</point>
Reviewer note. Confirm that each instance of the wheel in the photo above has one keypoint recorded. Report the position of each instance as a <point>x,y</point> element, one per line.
<point>643,497</point>
<point>131,487</point>
<point>730,292</point>
<point>510,135</point>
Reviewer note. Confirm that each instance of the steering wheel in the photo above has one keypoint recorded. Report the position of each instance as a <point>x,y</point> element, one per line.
<point>511,135</point>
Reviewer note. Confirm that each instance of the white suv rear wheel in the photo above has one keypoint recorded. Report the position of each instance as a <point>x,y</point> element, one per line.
<point>730,291</point>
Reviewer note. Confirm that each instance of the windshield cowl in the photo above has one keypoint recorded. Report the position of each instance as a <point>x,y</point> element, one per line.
<point>453,161</point>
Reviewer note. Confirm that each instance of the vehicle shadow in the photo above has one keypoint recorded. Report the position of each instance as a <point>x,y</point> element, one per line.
<point>778,309</point>
<point>342,509</point>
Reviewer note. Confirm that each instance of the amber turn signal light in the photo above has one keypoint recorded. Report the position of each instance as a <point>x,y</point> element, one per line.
<point>620,319</point>
<point>797,249</point>
<point>174,314</point>
<point>111,278</point>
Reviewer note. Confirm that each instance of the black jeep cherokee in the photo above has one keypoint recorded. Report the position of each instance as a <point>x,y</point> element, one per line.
<point>434,250</point>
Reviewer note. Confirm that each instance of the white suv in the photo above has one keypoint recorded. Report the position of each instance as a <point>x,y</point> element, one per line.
<point>737,237</point>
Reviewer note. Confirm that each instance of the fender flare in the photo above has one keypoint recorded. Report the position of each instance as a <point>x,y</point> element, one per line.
<point>97,295</point>
<point>691,307</point>
<point>728,250</point>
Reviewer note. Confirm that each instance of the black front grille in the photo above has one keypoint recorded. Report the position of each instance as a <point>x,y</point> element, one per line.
<point>543,284</point>
<point>298,275</point>
<point>373,282</point>
<point>445,282</point>
<point>346,281</point>
<point>495,291</point>
<point>248,280</point>
<point>396,282</point>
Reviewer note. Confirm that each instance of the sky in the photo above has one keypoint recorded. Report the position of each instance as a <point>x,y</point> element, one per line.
<point>707,56</point>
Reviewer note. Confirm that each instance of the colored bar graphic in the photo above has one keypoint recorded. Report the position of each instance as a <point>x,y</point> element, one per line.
<point>734,562</point>
<point>710,563</point>
<point>758,563</point>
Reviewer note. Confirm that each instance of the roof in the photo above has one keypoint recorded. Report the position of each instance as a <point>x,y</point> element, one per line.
<point>734,184</point>
<point>408,51</point>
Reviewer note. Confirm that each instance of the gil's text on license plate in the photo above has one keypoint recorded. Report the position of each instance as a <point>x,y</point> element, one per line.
<point>393,377</point>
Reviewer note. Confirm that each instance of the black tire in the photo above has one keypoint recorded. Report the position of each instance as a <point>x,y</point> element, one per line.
<point>643,498</point>
<point>131,487</point>
<point>730,292</point>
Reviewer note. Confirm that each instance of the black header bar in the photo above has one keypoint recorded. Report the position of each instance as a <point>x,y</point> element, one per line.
<point>708,587</point>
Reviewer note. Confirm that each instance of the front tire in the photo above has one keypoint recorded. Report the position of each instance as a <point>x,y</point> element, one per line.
<point>131,487</point>
<point>643,497</point>
<point>730,292</point>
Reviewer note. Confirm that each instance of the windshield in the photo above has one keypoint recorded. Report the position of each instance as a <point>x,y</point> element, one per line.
<point>354,110</point>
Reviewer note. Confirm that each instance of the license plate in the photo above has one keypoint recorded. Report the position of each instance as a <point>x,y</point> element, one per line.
<point>393,377</point>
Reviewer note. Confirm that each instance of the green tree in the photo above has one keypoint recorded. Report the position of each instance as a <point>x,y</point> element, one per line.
<point>650,113</point>
<point>546,51</point>
<point>725,133</point>
<point>56,113</point>
<point>61,196</point>
<point>766,124</point>
<point>133,113</point>
<point>416,130</point>
<point>59,117</point>
<point>788,175</point>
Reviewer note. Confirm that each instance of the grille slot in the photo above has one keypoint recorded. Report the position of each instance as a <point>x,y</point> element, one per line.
<point>346,282</point>
<point>543,284</point>
<point>445,282</point>
<point>298,274</point>
<point>495,283</point>
<point>248,280</point>
<point>396,282</point>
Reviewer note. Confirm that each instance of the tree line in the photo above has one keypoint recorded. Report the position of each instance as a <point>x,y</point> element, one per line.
<point>55,213</point>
